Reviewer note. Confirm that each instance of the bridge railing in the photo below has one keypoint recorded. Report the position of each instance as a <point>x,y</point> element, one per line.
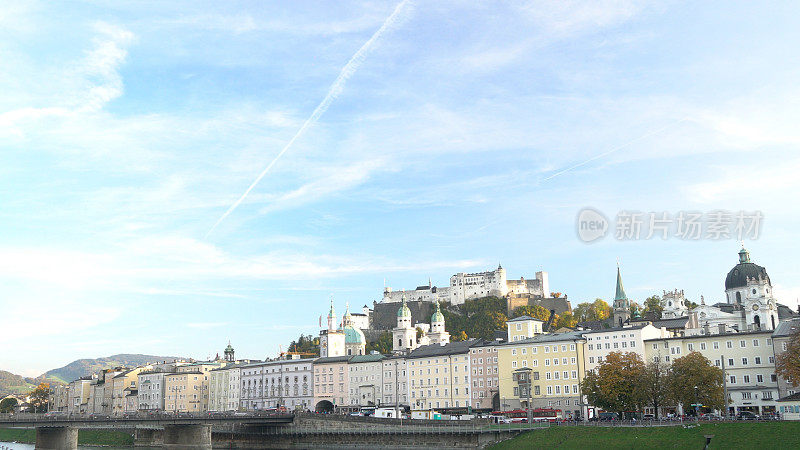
<point>137,416</point>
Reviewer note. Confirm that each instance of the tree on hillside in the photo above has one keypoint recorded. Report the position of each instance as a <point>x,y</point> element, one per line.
<point>382,345</point>
<point>615,385</point>
<point>694,379</point>
<point>653,308</point>
<point>655,384</point>
<point>566,320</point>
<point>535,311</point>
<point>787,364</point>
<point>39,397</point>
<point>7,405</point>
<point>458,337</point>
<point>596,310</point>
<point>305,344</point>
<point>477,318</point>
<point>581,311</point>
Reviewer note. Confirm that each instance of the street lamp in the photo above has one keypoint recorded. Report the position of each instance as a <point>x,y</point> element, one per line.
<point>696,405</point>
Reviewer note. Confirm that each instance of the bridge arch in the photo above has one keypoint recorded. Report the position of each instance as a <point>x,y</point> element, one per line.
<point>324,406</point>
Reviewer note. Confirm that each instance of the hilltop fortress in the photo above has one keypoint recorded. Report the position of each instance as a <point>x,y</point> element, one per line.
<point>466,286</point>
<point>463,287</point>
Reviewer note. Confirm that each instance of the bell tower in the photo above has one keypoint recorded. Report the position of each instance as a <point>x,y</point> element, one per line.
<point>622,307</point>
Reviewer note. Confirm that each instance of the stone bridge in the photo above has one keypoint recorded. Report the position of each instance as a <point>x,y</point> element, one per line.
<point>60,431</point>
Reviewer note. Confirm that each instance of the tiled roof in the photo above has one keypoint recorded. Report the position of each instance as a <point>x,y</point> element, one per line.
<point>453,348</point>
<point>554,337</point>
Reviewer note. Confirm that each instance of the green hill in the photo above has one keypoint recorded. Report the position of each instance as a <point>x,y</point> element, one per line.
<point>85,367</point>
<point>14,384</point>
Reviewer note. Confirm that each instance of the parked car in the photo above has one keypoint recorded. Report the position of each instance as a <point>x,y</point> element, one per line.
<point>648,416</point>
<point>710,416</point>
<point>747,415</point>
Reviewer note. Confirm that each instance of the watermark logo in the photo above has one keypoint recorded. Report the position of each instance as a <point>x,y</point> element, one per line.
<point>685,225</point>
<point>592,225</point>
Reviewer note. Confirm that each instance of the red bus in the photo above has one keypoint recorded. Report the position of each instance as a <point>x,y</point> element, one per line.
<point>548,414</point>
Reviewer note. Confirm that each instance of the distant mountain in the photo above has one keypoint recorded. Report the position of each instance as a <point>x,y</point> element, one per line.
<point>85,367</point>
<point>14,384</point>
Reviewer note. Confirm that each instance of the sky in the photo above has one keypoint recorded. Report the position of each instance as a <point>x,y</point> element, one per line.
<point>460,136</point>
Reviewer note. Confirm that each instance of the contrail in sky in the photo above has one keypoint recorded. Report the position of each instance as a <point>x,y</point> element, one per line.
<point>336,88</point>
<point>614,150</point>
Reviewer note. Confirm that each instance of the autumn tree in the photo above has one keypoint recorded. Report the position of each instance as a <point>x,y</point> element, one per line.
<point>616,384</point>
<point>39,397</point>
<point>566,320</point>
<point>556,294</point>
<point>596,310</point>
<point>655,384</point>
<point>8,404</point>
<point>381,345</point>
<point>693,379</point>
<point>787,364</point>
<point>535,311</point>
<point>653,308</point>
<point>460,336</point>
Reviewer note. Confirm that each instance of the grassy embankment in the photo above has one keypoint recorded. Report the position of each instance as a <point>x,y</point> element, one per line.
<point>85,437</point>
<point>763,436</point>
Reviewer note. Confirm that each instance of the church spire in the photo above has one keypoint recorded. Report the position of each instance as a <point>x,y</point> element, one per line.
<point>620,295</point>
<point>331,317</point>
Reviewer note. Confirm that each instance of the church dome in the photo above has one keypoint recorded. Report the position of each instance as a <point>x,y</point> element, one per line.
<point>737,277</point>
<point>437,315</point>
<point>353,336</point>
<point>404,311</point>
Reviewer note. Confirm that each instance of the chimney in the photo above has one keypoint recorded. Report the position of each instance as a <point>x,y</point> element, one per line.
<point>722,328</point>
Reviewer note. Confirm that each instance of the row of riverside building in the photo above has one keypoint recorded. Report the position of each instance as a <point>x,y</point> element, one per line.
<point>530,367</point>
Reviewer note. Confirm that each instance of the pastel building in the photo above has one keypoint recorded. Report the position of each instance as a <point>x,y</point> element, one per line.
<point>439,376</point>
<point>331,383</point>
<point>747,359</point>
<point>485,378</point>
<point>544,371</point>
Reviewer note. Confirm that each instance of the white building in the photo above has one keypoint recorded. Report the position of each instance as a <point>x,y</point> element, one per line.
<point>151,390</point>
<point>600,343</point>
<point>675,305</point>
<point>280,382</point>
<point>366,380</point>
<point>749,302</point>
<point>395,382</point>
<point>225,387</point>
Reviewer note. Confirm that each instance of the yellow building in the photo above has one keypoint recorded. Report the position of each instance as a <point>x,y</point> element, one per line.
<point>439,376</point>
<point>123,383</point>
<point>523,327</point>
<point>544,371</point>
<point>187,389</point>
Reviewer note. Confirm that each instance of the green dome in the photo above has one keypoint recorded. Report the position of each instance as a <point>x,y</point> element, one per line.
<point>353,336</point>
<point>404,311</point>
<point>437,315</point>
